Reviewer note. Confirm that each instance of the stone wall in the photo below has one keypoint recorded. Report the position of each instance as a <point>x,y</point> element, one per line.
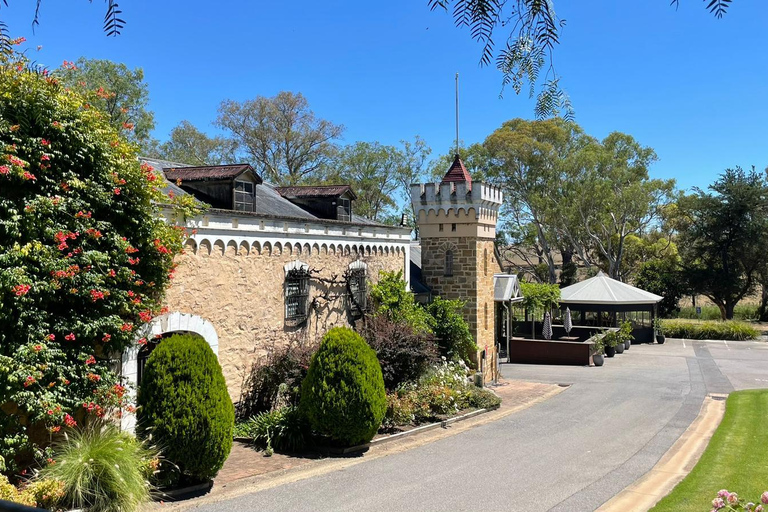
<point>474,264</point>
<point>240,291</point>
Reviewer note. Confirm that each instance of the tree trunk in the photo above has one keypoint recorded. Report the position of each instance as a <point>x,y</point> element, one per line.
<point>729,306</point>
<point>762,311</point>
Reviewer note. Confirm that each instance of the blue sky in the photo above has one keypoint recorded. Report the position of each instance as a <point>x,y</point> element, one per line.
<point>692,87</point>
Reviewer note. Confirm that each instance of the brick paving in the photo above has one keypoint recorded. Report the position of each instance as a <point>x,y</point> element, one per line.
<point>246,462</point>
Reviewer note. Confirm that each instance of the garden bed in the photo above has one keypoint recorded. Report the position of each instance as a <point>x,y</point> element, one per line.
<point>729,330</point>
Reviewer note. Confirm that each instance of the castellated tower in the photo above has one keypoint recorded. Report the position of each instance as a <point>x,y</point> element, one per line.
<point>457,227</point>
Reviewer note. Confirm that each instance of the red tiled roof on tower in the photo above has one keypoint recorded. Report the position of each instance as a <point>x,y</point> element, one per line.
<point>458,173</point>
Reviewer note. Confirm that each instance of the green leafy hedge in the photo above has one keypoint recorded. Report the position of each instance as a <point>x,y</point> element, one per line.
<point>184,406</point>
<point>343,394</point>
<point>710,330</point>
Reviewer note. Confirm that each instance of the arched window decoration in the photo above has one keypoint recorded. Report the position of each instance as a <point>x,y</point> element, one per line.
<point>485,308</point>
<point>358,286</point>
<point>448,270</point>
<point>296,291</point>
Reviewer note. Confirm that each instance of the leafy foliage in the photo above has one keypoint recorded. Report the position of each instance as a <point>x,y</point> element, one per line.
<point>103,469</point>
<point>343,394</point>
<point>539,296</point>
<point>189,145</point>
<point>722,237</point>
<point>115,90</point>
<point>184,406</point>
<point>284,429</point>
<point>275,377</point>
<point>454,340</point>
<point>528,47</point>
<point>662,278</point>
<point>403,353</point>
<point>709,330</point>
<point>84,258</point>
<point>391,298</point>
<point>281,136</point>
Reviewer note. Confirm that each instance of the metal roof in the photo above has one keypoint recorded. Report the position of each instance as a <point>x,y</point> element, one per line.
<point>601,289</point>
<point>208,172</point>
<point>316,191</point>
<point>506,288</point>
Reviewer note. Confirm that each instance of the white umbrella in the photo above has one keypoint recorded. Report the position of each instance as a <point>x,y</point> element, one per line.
<point>567,323</point>
<point>546,330</point>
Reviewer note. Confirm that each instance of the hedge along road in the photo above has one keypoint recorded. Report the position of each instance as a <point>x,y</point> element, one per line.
<point>572,452</point>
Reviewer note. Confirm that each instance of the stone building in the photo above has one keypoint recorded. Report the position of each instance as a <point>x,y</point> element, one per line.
<point>457,230</point>
<point>265,263</point>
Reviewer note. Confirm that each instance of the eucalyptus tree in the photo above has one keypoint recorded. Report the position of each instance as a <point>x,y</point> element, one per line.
<point>187,144</point>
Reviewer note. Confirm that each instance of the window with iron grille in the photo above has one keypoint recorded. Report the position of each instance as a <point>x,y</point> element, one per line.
<point>244,196</point>
<point>358,289</point>
<point>448,270</point>
<point>296,294</point>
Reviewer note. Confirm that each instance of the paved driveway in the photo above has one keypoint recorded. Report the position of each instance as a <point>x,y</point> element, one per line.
<point>570,453</point>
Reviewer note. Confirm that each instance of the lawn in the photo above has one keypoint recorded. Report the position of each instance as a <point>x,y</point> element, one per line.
<point>734,460</point>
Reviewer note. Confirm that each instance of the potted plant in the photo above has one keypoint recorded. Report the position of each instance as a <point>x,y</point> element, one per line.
<point>610,341</point>
<point>658,328</point>
<point>619,342</point>
<point>626,334</point>
<point>598,348</point>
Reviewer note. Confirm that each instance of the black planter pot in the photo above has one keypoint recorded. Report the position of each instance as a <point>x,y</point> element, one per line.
<point>627,344</point>
<point>660,339</point>
<point>598,359</point>
<point>610,351</point>
<point>620,348</point>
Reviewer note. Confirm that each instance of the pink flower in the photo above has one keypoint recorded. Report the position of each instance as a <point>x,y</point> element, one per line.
<point>106,338</point>
<point>764,498</point>
<point>718,503</point>
<point>4,170</point>
<point>21,289</point>
<point>70,337</point>
<point>45,157</point>
<point>116,191</point>
<point>51,337</point>
<point>90,360</point>
<point>126,327</point>
<point>29,176</point>
<point>96,295</point>
<point>45,142</point>
<point>733,498</point>
<point>69,421</point>
<point>38,348</point>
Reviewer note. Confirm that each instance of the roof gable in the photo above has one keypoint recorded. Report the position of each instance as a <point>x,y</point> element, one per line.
<point>316,191</point>
<point>210,172</point>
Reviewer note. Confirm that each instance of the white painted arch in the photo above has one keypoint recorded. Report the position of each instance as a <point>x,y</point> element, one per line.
<point>164,324</point>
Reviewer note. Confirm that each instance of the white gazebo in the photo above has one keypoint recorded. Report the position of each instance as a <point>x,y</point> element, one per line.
<point>604,302</point>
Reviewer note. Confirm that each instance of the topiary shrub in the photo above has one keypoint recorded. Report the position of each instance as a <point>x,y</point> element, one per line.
<point>184,406</point>
<point>343,394</point>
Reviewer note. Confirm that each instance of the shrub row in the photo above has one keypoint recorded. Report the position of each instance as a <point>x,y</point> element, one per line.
<point>709,330</point>
<point>741,312</point>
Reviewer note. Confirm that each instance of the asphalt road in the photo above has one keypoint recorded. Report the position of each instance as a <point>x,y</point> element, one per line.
<point>570,453</point>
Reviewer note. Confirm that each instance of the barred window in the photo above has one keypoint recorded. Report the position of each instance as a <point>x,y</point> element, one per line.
<point>358,289</point>
<point>448,270</point>
<point>296,294</point>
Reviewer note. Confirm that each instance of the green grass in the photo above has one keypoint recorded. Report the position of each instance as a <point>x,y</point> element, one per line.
<point>746,312</point>
<point>734,459</point>
<point>709,330</point>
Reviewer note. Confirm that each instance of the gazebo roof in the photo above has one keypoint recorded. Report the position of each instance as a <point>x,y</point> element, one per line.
<point>601,289</point>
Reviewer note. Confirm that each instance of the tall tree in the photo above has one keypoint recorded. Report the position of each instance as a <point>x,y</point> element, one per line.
<point>374,171</point>
<point>119,92</point>
<point>281,136</point>
<point>618,199</point>
<point>723,237</point>
<point>535,164</point>
<point>189,145</point>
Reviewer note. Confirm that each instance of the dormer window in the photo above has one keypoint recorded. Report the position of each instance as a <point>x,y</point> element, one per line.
<point>243,196</point>
<point>344,209</point>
